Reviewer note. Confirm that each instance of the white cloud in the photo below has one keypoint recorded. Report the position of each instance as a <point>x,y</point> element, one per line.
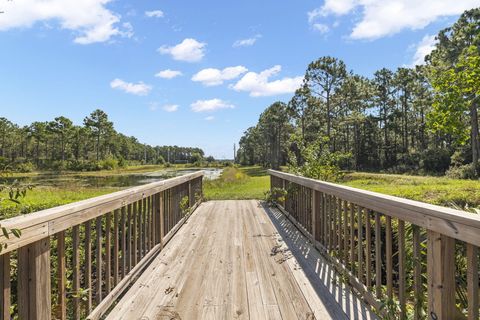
<point>189,50</point>
<point>154,14</point>
<point>320,27</point>
<point>215,77</point>
<point>170,107</point>
<point>246,42</point>
<point>382,18</point>
<point>139,89</point>
<point>210,105</point>
<point>209,118</point>
<point>258,83</point>
<point>90,19</point>
<point>168,74</point>
<point>423,48</point>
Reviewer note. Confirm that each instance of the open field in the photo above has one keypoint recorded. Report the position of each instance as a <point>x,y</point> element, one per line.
<point>252,182</point>
<point>243,183</point>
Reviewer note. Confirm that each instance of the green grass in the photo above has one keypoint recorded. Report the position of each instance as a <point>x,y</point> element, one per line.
<point>435,190</point>
<point>41,198</point>
<point>236,184</point>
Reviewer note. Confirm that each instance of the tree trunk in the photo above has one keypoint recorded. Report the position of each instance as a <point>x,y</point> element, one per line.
<point>474,136</point>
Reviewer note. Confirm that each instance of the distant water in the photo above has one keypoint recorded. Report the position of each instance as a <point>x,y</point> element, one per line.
<point>118,181</point>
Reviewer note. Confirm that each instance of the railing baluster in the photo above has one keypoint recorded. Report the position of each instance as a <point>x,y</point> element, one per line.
<point>99,262</point>
<point>378,256</point>
<point>135,233</point>
<point>108,251</point>
<point>368,251</point>
<point>116,230</point>
<point>401,270</point>
<point>61,276</point>
<point>389,262</point>
<point>76,271</point>
<point>352,238</point>
<point>123,241</point>
<point>88,264</point>
<point>129,237</point>
<point>359,243</point>
<point>472,281</point>
<point>417,274</point>
<point>5,291</point>
<point>345,233</point>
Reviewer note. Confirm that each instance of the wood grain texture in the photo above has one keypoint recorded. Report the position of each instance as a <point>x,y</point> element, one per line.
<point>229,262</point>
<point>457,224</point>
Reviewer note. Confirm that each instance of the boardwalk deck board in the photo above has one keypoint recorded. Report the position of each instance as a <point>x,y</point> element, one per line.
<point>235,260</point>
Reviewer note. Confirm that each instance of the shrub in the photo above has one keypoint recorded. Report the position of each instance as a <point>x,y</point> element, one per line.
<point>436,161</point>
<point>25,167</point>
<point>275,195</point>
<point>461,172</point>
<point>109,164</point>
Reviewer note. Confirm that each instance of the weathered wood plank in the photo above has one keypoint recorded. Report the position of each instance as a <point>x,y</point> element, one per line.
<point>457,224</point>
<point>61,308</point>
<point>441,275</point>
<point>472,281</point>
<point>34,289</point>
<point>5,286</point>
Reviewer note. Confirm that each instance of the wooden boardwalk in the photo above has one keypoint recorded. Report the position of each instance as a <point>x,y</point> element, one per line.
<point>238,260</point>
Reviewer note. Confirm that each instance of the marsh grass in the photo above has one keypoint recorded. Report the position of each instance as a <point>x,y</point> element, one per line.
<point>435,190</point>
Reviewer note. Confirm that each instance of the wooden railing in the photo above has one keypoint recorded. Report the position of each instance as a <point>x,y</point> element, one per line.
<point>75,260</point>
<point>407,259</point>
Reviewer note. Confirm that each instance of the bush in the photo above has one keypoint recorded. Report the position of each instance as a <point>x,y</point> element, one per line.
<point>25,167</point>
<point>435,161</point>
<point>461,172</point>
<point>160,160</point>
<point>109,164</point>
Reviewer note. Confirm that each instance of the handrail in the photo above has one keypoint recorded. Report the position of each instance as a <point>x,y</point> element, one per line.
<point>103,242</point>
<point>369,237</point>
<point>457,224</point>
<point>47,222</point>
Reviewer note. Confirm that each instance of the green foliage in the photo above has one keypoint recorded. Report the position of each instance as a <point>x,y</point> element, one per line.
<point>466,171</point>
<point>318,162</point>
<point>185,205</point>
<point>275,195</point>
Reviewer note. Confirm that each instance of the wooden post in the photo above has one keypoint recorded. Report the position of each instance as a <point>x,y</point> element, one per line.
<point>314,213</point>
<point>34,286</point>
<point>161,208</point>
<point>5,286</point>
<point>441,276</point>
<point>61,277</point>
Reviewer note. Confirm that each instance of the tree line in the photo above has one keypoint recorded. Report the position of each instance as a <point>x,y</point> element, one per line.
<point>422,119</point>
<point>94,145</point>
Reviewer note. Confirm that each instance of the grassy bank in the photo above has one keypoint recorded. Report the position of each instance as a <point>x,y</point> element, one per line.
<point>238,183</point>
<point>434,190</point>
<point>41,198</point>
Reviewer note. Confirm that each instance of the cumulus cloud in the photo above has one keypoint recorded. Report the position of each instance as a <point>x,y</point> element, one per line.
<point>423,48</point>
<point>320,27</point>
<point>90,19</point>
<point>380,18</point>
<point>189,50</point>
<point>258,84</point>
<point>246,42</point>
<point>210,105</point>
<point>139,89</point>
<point>170,107</point>
<point>215,77</point>
<point>168,74</point>
<point>154,14</point>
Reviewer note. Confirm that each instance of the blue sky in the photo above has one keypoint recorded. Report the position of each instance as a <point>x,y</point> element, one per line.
<point>194,73</point>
